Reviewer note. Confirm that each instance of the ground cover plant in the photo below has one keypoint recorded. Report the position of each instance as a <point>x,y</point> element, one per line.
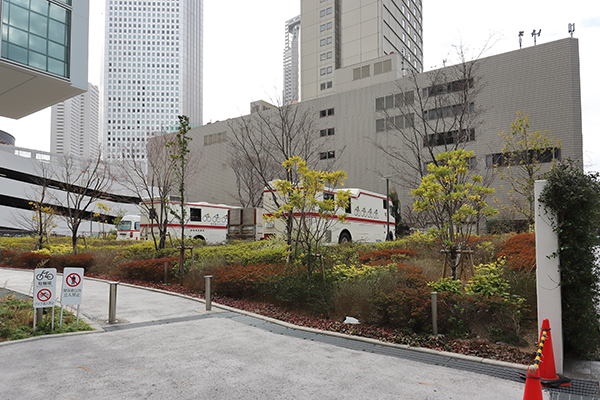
<point>385,285</point>
<point>16,320</point>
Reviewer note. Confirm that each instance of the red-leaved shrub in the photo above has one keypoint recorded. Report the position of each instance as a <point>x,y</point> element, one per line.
<point>386,256</point>
<point>7,255</point>
<point>84,260</point>
<point>519,251</point>
<point>29,260</point>
<point>152,270</point>
<point>243,280</point>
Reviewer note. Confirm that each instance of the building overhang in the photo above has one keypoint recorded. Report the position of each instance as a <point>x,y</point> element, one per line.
<point>24,91</point>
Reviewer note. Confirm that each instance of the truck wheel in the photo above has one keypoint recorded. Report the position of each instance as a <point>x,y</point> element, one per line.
<point>199,237</point>
<point>345,238</point>
<point>390,237</point>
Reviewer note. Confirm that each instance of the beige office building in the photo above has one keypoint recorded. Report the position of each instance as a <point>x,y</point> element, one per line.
<point>366,115</point>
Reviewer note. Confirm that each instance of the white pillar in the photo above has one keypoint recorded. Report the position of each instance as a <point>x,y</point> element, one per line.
<point>548,276</point>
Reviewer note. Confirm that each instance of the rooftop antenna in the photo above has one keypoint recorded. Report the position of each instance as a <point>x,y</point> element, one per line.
<point>521,38</point>
<point>534,34</point>
<point>571,29</point>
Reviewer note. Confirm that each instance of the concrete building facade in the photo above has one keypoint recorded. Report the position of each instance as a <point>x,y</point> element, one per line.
<point>75,125</point>
<point>152,72</point>
<point>371,112</point>
<point>43,54</point>
<point>340,33</point>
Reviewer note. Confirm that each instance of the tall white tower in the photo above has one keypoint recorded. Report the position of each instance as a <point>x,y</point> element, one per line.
<point>75,125</point>
<point>152,72</point>
<point>291,61</point>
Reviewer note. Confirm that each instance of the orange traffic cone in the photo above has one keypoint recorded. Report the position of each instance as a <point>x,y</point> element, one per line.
<point>533,384</point>
<point>547,366</point>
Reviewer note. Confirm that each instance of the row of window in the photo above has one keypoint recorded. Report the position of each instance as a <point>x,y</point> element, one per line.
<point>326,11</point>
<point>326,85</point>
<point>327,132</point>
<point>448,111</point>
<point>394,123</point>
<point>451,137</point>
<point>215,138</point>
<point>326,41</point>
<point>444,88</point>
<point>397,100</point>
<point>546,155</point>
<point>327,155</point>
<point>326,71</point>
<point>326,26</point>
<point>326,56</point>
<point>326,113</point>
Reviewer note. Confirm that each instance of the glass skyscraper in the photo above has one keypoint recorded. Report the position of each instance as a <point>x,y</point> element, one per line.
<point>152,72</point>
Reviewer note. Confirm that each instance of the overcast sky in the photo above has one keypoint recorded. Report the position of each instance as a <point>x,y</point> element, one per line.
<point>243,52</point>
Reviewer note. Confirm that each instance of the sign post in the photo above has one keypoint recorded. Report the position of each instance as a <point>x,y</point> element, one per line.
<point>44,290</point>
<point>72,289</point>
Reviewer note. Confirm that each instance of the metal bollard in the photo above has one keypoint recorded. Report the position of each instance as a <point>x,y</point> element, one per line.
<point>207,292</point>
<point>434,313</point>
<point>112,303</point>
<point>166,272</point>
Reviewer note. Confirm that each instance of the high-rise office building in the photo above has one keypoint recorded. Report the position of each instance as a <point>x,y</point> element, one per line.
<point>338,34</point>
<point>43,54</point>
<point>75,125</point>
<point>291,61</point>
<point>152,72</point>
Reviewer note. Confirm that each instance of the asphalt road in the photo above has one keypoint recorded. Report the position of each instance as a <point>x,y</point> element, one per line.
<point>169,347</point>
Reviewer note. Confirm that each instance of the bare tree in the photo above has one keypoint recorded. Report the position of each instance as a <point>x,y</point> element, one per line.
<point>264,140</point>
<point>153,186</point>
<point>430,113</point>
<point>81,182</point>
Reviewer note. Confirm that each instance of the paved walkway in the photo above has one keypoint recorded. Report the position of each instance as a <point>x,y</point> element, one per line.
<point>169,346</point>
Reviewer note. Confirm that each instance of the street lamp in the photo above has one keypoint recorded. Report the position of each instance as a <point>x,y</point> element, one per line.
<point>387,202</point>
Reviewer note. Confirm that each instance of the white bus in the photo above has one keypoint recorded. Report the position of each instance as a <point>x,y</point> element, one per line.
<point>366,220</point>
<point>206,221</point>
<point>129,228</point>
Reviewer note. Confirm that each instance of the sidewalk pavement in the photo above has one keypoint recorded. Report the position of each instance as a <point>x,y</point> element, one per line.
<point>168,346</point>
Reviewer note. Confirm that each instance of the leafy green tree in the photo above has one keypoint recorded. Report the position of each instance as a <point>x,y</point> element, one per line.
<point>523,156</point>
<point>179,155</point>
<point>453,199</point>
<point>312,213</point>
<point>574,197</point>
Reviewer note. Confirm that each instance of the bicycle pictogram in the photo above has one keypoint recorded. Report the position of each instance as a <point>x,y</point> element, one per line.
<point>44,275</point>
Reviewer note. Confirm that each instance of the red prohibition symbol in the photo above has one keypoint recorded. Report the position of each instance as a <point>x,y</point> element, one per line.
<point>44,295</point>
<point>73,279</point>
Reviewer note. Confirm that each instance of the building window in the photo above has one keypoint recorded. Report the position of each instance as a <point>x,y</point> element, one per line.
<point>328,10</point>
<point>326,155</point>
<point>397,122</point>
<point>329,84</point>
<point>451,137</point>
<point>546,155</point>
<point>361,72</point>
<point>397,100</point>
<point>37,36</point>
<point>323,42</point>
<point>327,132</point>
